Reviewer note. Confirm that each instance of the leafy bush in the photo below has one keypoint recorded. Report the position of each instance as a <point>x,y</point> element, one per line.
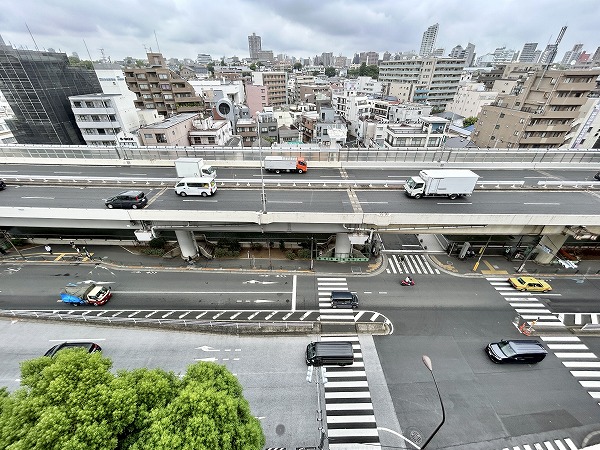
<point>256,246</point>
<point>290,254</point>
<point>304,253</point>
<point>158,242</point>
<point>221,252</point>
<point>229,244</point>
<point>153,251</point>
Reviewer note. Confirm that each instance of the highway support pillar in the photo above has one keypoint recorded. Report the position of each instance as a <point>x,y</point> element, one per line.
<point>343,247</point>
<point>548,247</point>
<point>187,244</point>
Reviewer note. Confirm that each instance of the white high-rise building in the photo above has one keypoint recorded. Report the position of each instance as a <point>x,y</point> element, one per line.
<point>428,40</point>
<point>528,53</point>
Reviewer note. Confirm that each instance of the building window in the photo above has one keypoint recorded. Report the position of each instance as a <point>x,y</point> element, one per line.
<point>497,127</point>
<point>502,115</point>
<point>168,96</point>
<point>163,76</point>
<point>77,104</point>
<point>160,137</point>
<point>165,87</point>
<point>143,86</point>
<point>141,76</point>
<point>147,136</point>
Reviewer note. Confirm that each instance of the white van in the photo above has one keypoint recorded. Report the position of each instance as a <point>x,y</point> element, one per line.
<point>204,186</point>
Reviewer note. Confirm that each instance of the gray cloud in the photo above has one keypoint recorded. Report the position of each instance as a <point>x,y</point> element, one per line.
<point>304,28</point>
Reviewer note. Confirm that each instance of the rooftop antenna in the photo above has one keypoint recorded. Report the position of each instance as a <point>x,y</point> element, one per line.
<point>32,38</point>
<point>156,39</point>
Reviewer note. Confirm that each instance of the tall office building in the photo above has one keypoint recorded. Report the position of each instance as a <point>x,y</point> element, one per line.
<point>37,86</point>
<point>528,53</point>
<point>428,40</point>
<point>572,55</point>
<point>254,46</point>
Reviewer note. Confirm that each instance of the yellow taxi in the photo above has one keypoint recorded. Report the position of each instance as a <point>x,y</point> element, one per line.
<point>530,284</point>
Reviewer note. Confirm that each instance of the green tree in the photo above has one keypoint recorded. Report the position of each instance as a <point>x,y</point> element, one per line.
<point>315,73</point>
<point>330,72</point>
<point>297,66</point>
<point>211,68</point>
<point>209,412</point>
<point>468,121</point>
<point>253,67</point>
<point>73,401</point>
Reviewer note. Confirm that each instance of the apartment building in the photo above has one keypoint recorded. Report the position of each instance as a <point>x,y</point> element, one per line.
<point>37,86</point>
<point>329,129</point>
<point>429,133</point>
<point>432,80</point>
<point>267,125</point>
<point>470,98</point>
<point>247,129</point>
<point>428,41</point>
<point>210,132</point>
<point>276,84</point>
<point>540,112</point>
<point>173,131</point>
<point>158,87</point>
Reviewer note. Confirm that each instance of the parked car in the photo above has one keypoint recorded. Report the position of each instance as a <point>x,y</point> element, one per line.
<point>597,176</point>
<point>2,185</point>
<point>128,199</point>
<point>530,284</point>
<point>89,346</point>
<point>516,351</point>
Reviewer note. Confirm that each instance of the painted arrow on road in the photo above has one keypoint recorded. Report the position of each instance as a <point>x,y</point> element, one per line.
<point>207,359</point>
<point>264,301</point>
<point>259,282</point>
<point>206,348</point>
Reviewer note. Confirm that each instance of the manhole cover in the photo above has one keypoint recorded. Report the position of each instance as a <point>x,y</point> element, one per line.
<point>415,435</point>
<point>280,429</point>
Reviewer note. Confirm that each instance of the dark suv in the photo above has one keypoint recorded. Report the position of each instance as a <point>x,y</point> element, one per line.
<point>2,185</point>
<point>343,299</point>
<point>89,346</point>
<point>516,351</point>
<point>128,199</point>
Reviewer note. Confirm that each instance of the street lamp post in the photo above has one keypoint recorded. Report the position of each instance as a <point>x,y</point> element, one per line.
<point>427,362</point>
<point>263,195</point>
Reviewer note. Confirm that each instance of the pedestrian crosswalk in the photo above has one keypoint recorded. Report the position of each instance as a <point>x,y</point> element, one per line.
<point>579,319</point>
<point>527,304</point>
<point>413,264</point>
<point>571,351</point>
<point>328,314</point>
<point>324,288</point>
<point>348,405</point>
<point>554,444</point>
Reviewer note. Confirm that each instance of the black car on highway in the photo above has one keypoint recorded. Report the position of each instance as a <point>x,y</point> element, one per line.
<point>2,185</point>
<point>89,346</point>
<point>127,199</point>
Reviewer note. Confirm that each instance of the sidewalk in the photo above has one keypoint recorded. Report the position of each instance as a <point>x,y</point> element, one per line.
<point>118,256</point>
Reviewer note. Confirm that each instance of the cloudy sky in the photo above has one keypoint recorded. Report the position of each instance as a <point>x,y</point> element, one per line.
<point>300,28</point>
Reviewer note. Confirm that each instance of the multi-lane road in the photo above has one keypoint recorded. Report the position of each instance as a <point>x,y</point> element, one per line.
<point>447,317</point>
<point>314,198</point>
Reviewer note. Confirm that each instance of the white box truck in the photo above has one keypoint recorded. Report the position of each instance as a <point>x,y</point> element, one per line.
<point>194,167</point>
<point>279,164</point>
<point>451,183</point>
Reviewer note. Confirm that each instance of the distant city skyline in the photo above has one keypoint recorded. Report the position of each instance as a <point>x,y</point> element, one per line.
<point>185,28</point>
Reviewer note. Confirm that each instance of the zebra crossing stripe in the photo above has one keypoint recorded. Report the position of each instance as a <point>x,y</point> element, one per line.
<point>556,444</point>
<point>413,264</point>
